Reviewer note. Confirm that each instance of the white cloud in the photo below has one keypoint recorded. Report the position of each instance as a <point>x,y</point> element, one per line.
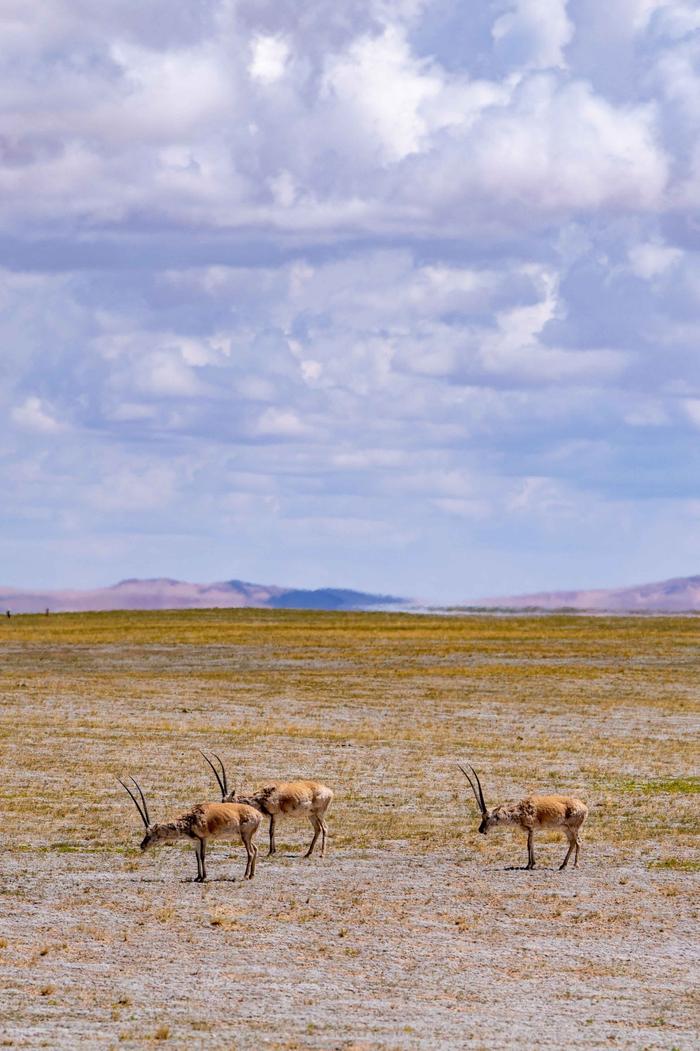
<point>652,259</point>
<point>281,423</point>
<point>168,93</point>
<point>33,415</point>
<point>676,71</point>
<point>514,347</point>
<point>283,189</point>
<point>556,147</point>
<point>534,33</point>
<point>311,370</point>
<point>269,56</point>
<point>163,374</point>
<point>379,85</point>
<point>185,132</point>
<point>639,12</point>
<point>692,410</point>
<point>542,495</point>
<point>676,18</point>
<point>363,459</point>
<point>324,251</point>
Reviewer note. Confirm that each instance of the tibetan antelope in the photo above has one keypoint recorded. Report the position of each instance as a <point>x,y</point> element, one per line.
<point>203,822</point>
<point>532,813</point>
<point>283,798</point>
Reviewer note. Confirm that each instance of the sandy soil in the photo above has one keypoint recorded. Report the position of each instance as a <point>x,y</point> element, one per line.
<point>413,932</point>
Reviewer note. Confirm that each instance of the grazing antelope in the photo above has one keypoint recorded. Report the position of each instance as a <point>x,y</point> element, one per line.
<point>203,822</point>
<point>532,813</point>
<point>289,798</point>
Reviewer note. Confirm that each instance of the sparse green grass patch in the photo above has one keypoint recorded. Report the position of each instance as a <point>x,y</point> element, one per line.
<point>676,864</point>
<point>661,786</point>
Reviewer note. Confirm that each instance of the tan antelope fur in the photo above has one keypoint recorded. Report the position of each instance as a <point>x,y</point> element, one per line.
<point>203,822</point>
<point>283,798</point>
<point>532,813</point>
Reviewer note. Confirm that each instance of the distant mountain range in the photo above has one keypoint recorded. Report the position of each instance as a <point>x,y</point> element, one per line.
<point>669,596</point>
<point>680,595</point>
<point>163,593</point>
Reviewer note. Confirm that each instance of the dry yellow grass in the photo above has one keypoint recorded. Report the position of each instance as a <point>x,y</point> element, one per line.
<point>410,899</point>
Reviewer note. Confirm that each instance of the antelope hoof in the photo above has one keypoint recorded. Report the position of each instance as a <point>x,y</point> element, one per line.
<point>563,866</point>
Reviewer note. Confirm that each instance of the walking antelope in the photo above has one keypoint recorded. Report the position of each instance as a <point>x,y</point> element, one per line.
<point>283,798</point>
<point>533,813</point>
<point>203,822</point>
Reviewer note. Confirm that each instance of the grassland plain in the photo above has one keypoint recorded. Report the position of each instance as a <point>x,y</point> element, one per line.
<point>414,931</point>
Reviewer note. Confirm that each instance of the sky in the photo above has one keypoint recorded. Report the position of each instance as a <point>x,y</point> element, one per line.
<point>401,295</point>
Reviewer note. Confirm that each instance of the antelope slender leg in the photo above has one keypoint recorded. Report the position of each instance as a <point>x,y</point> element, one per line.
<point>324,833</point>
<point>197,847</point>
<point>273,846</point>
<point>530,849</point>
<point>203,850</point>
<point>317,831</point>
<point>251,851</point>
<point>578,847</point>
<point>572,843</point>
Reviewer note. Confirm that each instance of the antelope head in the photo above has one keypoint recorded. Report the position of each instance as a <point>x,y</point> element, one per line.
<point>488,817</point>
<point>152,831</point>
<point>226,796</point>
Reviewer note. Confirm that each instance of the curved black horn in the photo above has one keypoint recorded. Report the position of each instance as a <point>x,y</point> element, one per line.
<point>479,801</point>
<point>223,772</point>
<point>481,791</point>
<point>223,784</point>
<point>142,813</point>
<point>143,800</point>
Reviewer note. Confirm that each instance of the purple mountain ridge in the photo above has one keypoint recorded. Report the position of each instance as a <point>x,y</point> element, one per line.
<point>165,593</point>
<point>680,595</point>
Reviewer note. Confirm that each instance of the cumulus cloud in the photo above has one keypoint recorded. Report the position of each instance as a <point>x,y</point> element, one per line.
<point>380,85</point>
<point>32,415</point>
<point>269,56</point>
<point>650,259</point>
<point>357,284</point>
<point>533,33</point>
<point>366,134</point>
<point>280,423</point>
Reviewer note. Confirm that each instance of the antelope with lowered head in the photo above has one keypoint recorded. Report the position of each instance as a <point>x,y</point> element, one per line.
<point>283,798</point>
<point>203,822</point>
<point>533,813</point>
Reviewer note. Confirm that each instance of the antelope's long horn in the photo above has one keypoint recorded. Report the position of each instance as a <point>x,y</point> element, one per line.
<point>223,772</point>
<point>143,800</point>
<point>143,814</point>
<point>223,784</point>
<point>481,791</point>
<point>479,802</point>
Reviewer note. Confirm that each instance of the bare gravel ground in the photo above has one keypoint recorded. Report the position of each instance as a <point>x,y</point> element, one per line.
<point>414,931</point>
